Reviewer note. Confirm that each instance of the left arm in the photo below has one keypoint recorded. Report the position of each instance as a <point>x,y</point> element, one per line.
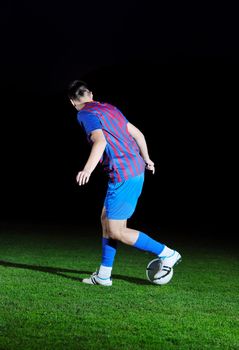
<point>97,150</point>
<point>141,142</point>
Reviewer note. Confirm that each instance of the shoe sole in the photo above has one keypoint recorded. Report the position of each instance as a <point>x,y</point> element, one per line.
<point>91,283</point>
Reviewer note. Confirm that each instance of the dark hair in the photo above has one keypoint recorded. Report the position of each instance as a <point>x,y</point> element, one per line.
<point>76,89</point>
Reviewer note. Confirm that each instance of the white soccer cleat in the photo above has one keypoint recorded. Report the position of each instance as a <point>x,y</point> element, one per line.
<point>95,279</point>
<point>168,262</point>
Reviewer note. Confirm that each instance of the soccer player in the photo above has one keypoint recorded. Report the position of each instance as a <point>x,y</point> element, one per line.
<point>122,150</point>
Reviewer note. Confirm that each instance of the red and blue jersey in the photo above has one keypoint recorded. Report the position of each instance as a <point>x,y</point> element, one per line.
<point>121,158</point>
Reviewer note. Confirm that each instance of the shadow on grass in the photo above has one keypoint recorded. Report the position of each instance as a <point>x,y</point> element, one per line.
<point>61,272</point>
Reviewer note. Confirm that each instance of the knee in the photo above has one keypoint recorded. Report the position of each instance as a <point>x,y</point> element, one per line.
<point>116,232</point>
<point>116,229</point>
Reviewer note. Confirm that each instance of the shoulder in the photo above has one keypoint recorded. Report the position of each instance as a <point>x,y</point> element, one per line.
<point>109,105</point>
<point>115,110</point>
<point>83,115</point>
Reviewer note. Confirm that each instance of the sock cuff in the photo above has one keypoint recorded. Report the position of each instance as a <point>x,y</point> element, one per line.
<point>144,242</point>
<point>142,239</point>
<point>109,242</point>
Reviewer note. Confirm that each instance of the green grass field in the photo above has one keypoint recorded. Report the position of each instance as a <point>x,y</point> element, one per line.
<point>44,305</point>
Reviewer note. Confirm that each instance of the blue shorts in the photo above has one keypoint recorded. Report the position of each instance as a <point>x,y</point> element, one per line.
<point>122,197</point>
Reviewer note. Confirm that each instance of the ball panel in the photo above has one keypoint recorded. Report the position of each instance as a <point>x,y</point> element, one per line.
<point>165,278</point>
<point>153,267</point>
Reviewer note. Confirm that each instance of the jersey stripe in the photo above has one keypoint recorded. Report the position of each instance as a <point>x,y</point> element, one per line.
<point>126,136</point>
<point>108,124</point>
<point>136,168</point>
<point>112,127</point>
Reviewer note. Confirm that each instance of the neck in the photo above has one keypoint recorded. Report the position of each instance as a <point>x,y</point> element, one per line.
<point>82,105</point>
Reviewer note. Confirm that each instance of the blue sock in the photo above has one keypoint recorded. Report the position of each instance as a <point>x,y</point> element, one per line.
<point>109,247</point>
<point>144,242</point>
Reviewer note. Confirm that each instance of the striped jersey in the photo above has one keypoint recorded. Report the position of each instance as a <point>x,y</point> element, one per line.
<point>121,159</point>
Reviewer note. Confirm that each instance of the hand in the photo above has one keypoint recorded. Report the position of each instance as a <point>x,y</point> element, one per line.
<point>150,165</point>
<point>83,177</point>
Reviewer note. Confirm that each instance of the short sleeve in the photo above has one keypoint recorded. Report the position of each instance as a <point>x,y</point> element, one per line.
<point>88,121</point>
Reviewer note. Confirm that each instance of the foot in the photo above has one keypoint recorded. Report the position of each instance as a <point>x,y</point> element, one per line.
<point>95,279</point>
<point>167,263</point>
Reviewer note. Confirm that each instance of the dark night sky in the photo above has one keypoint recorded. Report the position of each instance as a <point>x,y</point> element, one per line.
<point>170,63</point>
<point>52,42</point>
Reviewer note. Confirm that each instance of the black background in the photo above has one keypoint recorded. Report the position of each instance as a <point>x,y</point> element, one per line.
<point>171,68</point>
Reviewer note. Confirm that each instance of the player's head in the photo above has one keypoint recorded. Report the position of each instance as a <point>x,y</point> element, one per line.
<point>79,93</point>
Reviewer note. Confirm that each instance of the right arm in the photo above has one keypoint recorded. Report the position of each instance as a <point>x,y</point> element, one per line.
<point>97,150</point>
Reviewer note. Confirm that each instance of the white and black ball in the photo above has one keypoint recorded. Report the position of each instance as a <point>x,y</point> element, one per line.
<point>153,267</point>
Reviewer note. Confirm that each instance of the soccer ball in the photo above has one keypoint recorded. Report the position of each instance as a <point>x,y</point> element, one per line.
<point>153,267</point>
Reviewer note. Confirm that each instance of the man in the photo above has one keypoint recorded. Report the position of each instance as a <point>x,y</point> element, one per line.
<point>122,150</point>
